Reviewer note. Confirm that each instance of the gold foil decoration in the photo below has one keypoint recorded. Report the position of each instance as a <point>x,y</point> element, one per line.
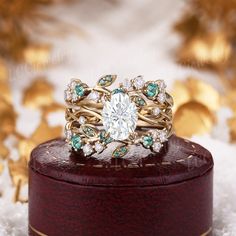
<point>53,107</point>
<point>194,89</point>
<point>19,174</point>
<point>208,33</point>
<point>18,45</point>
<point>18,171</point>
<point>5,91</point>
<point>195,105</point>
<point>3,71</point>
<point>44,132</point>
<point>1,170</point>
<point>4,85</point>
<point>39,94</point>
<point>25,146</point>
<point>203,93</point>
<point>180,94</point>
<point>206,50</point>
<point>19,20</point>
<point>4,152</point>
<point>232,126</point>
<point>37,55</point>
<point>7,117</point>
<point>230,100</point>
<point>193,118</point>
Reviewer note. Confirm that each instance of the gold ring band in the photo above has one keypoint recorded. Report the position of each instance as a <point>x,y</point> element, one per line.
<point>135,113</point>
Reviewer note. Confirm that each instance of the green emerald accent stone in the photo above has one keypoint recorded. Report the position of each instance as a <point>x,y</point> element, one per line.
<point>106,80</point>
<point>104,138</point>
<point>140,101</point>
<point>90,132</point>
<point>120,151</point>
<point>76,142</point>
<point>79,89</point>
<point>152,90</point>
<point>118,90</point>
<point>147,141</point>
<point>109,78</point>
<point>102,82</point>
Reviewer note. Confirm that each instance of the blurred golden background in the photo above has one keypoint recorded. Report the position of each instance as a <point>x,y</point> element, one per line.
<point>43,43</point>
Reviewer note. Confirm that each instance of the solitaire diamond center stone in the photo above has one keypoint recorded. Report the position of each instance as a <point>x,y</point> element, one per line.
<point>119,116</point>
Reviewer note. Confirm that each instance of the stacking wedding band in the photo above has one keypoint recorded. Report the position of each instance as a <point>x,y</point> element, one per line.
<point>135,113</point>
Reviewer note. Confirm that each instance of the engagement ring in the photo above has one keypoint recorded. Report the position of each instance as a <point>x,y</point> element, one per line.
<point>135,113</point>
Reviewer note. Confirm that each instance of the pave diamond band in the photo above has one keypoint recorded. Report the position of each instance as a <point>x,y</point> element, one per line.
<point>135,113</point>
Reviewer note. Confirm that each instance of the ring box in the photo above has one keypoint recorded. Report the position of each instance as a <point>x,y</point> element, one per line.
<point>165,194</point>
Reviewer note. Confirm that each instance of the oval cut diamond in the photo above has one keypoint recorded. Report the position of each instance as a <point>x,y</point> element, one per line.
<point>119,116</point>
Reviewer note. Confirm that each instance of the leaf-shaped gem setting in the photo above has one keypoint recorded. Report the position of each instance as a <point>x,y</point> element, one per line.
<point>106,80</point>
<point>104,137</point>
<point>120,151</point>
<point>89,131</point>
<point>139,101</point>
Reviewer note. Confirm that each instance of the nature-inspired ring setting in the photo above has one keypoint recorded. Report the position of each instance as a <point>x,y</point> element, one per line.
<point>135,113</point>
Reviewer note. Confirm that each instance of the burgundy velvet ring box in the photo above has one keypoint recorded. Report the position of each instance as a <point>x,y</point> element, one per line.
<point>165,194</point>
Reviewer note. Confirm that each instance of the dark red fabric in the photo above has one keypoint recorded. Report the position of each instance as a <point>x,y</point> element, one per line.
<point>168,198</point>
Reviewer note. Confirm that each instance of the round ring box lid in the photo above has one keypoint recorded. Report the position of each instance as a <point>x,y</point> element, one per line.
<point>169,193</point>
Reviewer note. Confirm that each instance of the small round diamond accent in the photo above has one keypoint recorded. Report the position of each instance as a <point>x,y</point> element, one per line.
<point>162,136</point>
<point>156,111</point>
<point>67,95</point>
<point>68,134</point>
<point>94,96</point>
<point>87,149</point>
<point>157,146</point>
<point>139,82</point>
<point>155,134</point>
<point>162,85</point>
<point>98,147</point>
<point>127,84</point>
<point>82,120</point>
<point>74,97</point>
<point>72,84</point>
<point>161,97</point>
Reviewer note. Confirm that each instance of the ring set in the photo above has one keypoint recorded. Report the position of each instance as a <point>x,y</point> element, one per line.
<point>134,113</point>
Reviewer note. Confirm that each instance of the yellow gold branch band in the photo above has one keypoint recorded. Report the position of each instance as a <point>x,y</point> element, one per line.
<point>135,113</point>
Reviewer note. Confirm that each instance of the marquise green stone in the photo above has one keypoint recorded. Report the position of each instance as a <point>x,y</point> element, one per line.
<point>152,90</point>
<point>89,131</point>
<point>106,80</point>
<point>118,90</point>
<point>140,101</point>
<point>120,151</point>
<point>79,89</point>
<point>147,141</point>
<point>102,82</point>
<point>104,138</point>
<point>76,142</point>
